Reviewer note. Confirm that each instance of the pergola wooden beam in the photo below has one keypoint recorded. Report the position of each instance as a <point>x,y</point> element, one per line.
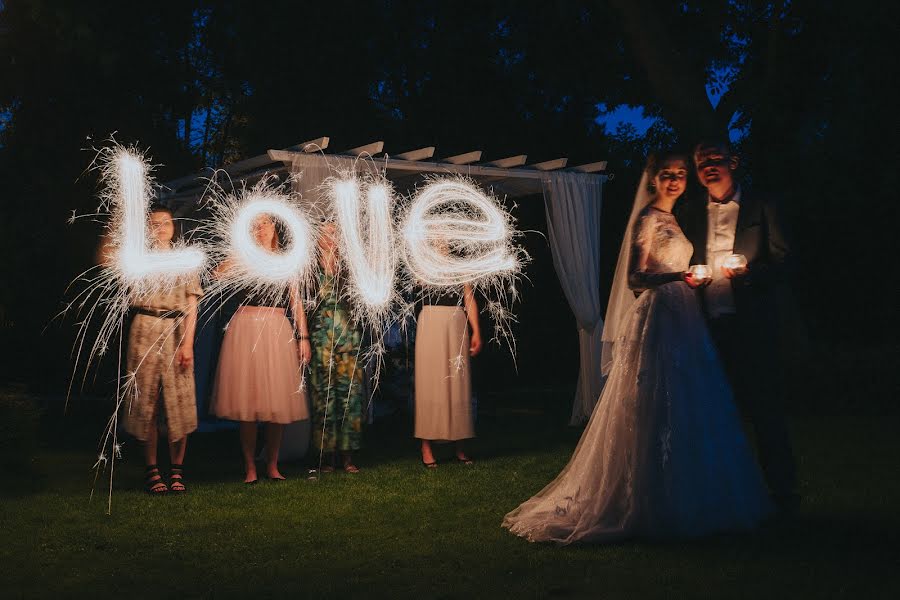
<point>248,164</point>
<point>549,165</point>
<point>408,164</point>
<point>413,166</point>
<point>594,167</point>
<point>508,162</point>
<point>420,154</point>
<point>312,145</point>
<point>463,159</point>
<point>370,149</point>
<point>264,159</point>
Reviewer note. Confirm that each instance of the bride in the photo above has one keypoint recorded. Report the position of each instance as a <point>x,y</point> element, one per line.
<point>664,453</point>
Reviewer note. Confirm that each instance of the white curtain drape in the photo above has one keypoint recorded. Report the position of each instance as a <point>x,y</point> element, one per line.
<point>573,202</point>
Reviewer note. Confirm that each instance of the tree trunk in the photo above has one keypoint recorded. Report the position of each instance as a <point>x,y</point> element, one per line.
<point>679,88</point>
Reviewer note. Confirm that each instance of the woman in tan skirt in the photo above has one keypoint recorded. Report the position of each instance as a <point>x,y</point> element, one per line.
<point>258,377</point>
<point>442,375</point>
<point>161,358</point>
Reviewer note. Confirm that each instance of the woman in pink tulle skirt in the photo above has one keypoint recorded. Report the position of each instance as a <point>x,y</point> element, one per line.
<point>259,374</point>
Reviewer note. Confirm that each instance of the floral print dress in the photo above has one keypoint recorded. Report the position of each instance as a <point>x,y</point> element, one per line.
<point>335,376</point>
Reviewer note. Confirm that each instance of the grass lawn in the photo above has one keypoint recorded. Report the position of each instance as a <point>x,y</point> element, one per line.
<point>398,530</point>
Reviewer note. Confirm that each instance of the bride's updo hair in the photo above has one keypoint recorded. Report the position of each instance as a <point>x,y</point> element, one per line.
<point>656,160</point>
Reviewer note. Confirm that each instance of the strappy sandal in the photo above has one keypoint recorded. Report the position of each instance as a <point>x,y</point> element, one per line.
<point>153,481</point>
<point>465,461</point>
<point>176,479</point>
<point>430,465</point>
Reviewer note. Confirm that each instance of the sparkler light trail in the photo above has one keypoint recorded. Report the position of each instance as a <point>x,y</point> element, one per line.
<point>252,265</point>
<point>367,243</point>
<point>448,234</point>
<point>137,264</point>
<point>456,234</point>
<point>130,268</point>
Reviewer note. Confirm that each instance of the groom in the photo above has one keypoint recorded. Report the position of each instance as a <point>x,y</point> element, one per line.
<point>740,303</point>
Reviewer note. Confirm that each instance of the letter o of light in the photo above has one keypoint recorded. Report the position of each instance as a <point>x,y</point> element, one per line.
<point>259,264</point>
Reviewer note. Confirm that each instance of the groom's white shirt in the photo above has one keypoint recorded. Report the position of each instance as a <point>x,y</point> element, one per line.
<point>722,220</point>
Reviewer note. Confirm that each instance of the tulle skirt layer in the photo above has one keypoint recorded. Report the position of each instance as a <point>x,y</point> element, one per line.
<point>258,377</point>
<point>664,453</point>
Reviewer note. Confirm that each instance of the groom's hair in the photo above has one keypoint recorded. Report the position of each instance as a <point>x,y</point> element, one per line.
<point>717,143</point>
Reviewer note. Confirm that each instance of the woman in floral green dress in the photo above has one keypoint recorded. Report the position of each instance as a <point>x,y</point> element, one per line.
<point>335,375</point>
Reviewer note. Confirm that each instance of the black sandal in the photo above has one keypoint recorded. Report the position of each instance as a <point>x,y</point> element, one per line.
<point>176,479</point>
<point>465,461</point>
<point>430,465</point>
<point>153,481</point>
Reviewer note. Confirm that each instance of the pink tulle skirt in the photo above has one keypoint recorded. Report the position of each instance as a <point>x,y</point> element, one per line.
<point>258,378</point>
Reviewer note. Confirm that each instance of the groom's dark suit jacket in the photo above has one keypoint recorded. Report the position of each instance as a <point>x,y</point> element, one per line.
<point>759,236</point>
<point>748,345</point>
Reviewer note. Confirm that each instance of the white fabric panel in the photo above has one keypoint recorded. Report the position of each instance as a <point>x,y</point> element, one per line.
<point>573,202</point>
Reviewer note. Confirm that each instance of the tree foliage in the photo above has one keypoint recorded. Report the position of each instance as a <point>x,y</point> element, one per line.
<point>802,83</point>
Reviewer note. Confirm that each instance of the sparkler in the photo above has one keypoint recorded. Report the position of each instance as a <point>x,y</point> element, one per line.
<point>367,243</point>
<point>139,266</point>
<point>131,269</point>
<point>450,234</point>
<point>130,266</point>
<point>455,234</point>
<point>249,264</point>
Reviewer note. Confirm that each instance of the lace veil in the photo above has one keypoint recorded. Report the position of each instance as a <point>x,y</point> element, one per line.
<point>621,297</point>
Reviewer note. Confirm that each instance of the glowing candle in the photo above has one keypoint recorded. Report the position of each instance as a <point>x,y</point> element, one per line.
<point>700,272</point>
<point>735,262</point>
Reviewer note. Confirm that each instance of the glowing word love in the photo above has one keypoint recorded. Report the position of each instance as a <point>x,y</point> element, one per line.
<point>451,233</point>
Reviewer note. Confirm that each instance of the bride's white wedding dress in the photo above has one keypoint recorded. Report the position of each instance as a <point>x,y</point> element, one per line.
<point>664,453</point>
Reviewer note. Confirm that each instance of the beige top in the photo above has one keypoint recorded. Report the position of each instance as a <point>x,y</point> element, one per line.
<point>721,227</point>
<point>173,297</point>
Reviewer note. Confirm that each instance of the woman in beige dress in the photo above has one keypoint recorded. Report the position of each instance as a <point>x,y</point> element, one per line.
<point>258,377</point>
<point>443,384</point>
<point>161,358</point>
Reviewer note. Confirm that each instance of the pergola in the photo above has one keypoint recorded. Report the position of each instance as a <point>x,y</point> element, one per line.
<point>572,196</point>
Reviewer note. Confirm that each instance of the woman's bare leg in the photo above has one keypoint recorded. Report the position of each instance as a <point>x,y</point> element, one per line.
<point>274,432</point>
<point>461,455</point>
<point>177,451</point>
<point>248,449</point>
<point>349,467</point>
<point>427,453</point>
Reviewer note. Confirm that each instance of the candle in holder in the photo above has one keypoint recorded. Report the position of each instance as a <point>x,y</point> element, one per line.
<point>700,272</point>
<point>735,262</point>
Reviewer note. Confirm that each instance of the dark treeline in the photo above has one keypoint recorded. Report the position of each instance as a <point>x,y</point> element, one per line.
<point>203,83</point>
